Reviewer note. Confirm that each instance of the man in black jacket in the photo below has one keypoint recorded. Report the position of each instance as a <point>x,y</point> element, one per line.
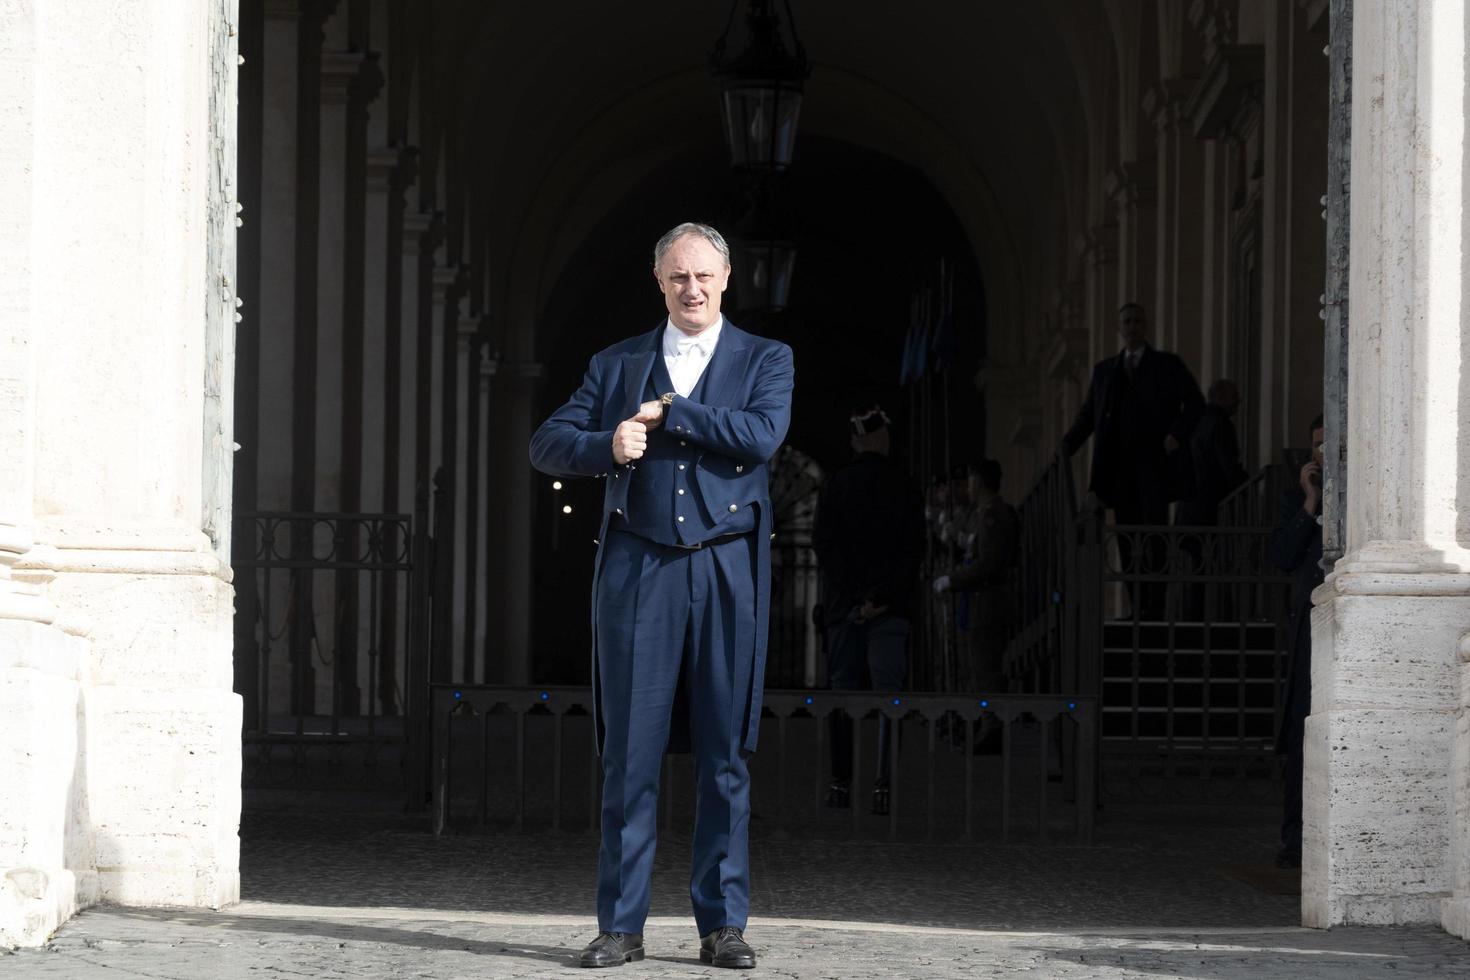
<point>1214,456</point>
<point>869,540</point>
<point>1138,410</point>
<point>1296,548</point>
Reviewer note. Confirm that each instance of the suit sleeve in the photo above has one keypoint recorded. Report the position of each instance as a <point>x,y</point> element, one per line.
<point>1082,426</point>
<point>573,442</point>
<point>1191,401</point>
<point>1292,538</point>
<point>751,434</point>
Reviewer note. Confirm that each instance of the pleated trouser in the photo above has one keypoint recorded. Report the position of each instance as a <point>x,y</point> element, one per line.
<point>663,613</point>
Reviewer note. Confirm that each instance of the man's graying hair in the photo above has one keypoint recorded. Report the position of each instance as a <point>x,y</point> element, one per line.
<point>690,228</point>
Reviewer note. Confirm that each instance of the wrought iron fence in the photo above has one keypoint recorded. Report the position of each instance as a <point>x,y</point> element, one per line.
<point>330,652</point>
<point>523,756</point>
<point>794,657</point>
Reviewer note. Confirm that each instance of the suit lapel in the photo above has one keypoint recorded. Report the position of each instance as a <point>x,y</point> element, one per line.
<point>637,367</point>
<point>727,368</point>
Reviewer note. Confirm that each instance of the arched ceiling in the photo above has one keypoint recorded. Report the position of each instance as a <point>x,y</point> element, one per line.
<point>564,107</point>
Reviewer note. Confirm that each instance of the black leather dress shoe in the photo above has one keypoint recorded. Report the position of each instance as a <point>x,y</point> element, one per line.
<point>612,949</point>
<point>726,946</point>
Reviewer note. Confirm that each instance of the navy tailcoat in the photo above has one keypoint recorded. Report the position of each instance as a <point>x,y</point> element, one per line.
<point>736,428</point>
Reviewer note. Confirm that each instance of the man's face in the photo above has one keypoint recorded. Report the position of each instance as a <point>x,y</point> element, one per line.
<point>692,275</point>
<point>1132,327</point>
<point>1317,437</point>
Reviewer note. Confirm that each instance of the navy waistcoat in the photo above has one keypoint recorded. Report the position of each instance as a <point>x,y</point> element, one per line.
<point>664,502</point>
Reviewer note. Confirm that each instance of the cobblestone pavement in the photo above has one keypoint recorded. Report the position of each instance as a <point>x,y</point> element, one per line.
<point>1166,893</point>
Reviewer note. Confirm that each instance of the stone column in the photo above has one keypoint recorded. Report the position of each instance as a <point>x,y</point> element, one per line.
<point>482,542</point>
<point>1130,188</point>
<point>379,364</point>
<point>1383,819</point>
<point>465,385</point>
<point>1179,192</point>
<point>46,871</point>
<point>1099,250</point>
<point>415,464</point>
<point>443,392</point>
<point>120,742</point>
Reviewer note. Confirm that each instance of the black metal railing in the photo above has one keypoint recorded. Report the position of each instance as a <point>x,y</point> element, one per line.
<point>1043,650</point>
<point>1192,669</point>
<point>794,655</point>
<point>333,679</point>
<point>524,756</point>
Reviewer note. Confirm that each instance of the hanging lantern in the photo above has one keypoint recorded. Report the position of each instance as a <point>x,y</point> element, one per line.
<point>764,247</point>
<point>761,88</point>
<point>763,269</point>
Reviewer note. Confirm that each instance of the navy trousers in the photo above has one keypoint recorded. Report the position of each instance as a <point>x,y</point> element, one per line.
<point>663,612</point>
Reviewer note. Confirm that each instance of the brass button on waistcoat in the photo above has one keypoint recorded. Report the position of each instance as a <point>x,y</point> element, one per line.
<point>734,508</point>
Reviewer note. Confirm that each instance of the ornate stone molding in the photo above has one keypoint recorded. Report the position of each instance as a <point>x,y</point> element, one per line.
<point>423,233</point>
<point>339,72</point>
<point>1165,100</point>
<point>282,9</point>
<point>1099,247</point>
<point>1230,90</point>
<point>21,596</point>
<point>1128,185</point>
<point>382,163</point>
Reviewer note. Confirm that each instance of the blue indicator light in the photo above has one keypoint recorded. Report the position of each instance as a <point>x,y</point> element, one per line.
<point>984,704</point>
<point>1071,705</point>
<point>458,695</point>
<point>808,699</point>
<point>545,696</point>
<point>895,700</point>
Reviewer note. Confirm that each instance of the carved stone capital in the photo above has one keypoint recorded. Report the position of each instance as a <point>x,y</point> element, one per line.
<point>1099,247</point>
<point>381,164</point>
<point>1165,100</point>
<point>1129,184</point>
<point>339,69</point>
<point>1230,89</point>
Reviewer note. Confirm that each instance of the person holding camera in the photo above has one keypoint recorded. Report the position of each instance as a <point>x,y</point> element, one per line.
<point>1296,548</point>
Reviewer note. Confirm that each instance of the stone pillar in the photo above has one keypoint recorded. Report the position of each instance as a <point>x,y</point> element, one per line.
<point>1179,193</point>
<point>482,543</point>
<point>443,393</point>
<point>46,867</point>
<point>1130,188</point>
<point>378,363</point>
<point>415,226</point>
<point>1099,260</point>
<point>1383,819</point>
<point>119,738</point>
<point>466,375</point>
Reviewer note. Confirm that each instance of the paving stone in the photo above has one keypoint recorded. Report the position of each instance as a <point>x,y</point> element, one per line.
<point>374,896</point>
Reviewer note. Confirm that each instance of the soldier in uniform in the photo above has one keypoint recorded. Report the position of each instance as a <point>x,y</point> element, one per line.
<point>990,539</point>
<point>869,540</point>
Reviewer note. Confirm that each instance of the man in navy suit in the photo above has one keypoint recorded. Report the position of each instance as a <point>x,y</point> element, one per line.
<point>1139,408</point>
<point>682,422</point>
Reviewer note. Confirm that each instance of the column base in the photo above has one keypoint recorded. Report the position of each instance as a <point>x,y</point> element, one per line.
<point>1378,816</point>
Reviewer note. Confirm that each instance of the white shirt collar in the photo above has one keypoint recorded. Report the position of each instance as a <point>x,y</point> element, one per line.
<point>677,341</point>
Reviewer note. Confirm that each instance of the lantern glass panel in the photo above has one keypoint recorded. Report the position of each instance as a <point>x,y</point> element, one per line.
<point>765,275</point>
<point>760,124</point>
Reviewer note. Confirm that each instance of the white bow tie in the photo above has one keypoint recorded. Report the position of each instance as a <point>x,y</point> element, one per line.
<point>683,345</point>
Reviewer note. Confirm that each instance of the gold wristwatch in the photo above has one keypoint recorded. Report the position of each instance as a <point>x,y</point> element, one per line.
<point>666,400</point>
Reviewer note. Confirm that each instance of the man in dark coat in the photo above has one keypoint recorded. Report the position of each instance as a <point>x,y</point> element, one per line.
<point>682,422</point>
<point>990,539</point>
<point>1138,409</point>
<point>1214,457</point>
<point>1296,548</point>
<point>869,540</point>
